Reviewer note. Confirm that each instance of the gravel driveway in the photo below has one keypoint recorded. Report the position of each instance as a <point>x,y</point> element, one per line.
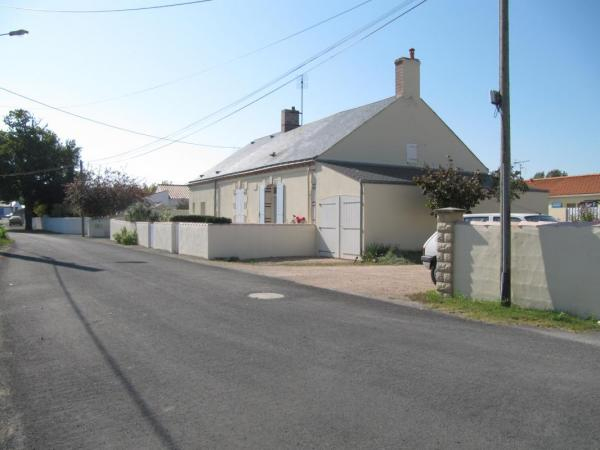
<point>390,283</point>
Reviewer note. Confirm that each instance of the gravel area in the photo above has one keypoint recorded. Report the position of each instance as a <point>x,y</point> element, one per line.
<point>390,283</point>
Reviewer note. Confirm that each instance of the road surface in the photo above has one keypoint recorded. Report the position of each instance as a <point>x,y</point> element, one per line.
<point>113,347</point>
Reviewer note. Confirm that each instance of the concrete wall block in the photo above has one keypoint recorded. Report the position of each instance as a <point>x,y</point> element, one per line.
<point>444,267</point>
<point>443,227</point>
<point>448,237</point>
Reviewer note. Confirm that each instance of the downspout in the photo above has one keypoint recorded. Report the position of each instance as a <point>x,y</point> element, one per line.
<point>308,196</point>
<point>361,217</point>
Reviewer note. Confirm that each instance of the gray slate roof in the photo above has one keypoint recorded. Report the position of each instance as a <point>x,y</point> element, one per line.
<point>376,173</point>
<point>304,143</point>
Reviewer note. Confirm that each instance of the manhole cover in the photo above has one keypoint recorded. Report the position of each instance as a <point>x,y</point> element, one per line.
<point>265,295</point>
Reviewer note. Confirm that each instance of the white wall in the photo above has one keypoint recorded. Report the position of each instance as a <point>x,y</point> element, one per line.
<point>396,215</point>
<point>193,239</point>
<point>143,232</point>
<point>164,236</point>
<point>93,227</point>
<point>249,241</point>
<point>117,225</point>
<point>553,266</point>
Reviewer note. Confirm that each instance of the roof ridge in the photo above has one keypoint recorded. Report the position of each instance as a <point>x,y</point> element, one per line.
<point>566,176</point>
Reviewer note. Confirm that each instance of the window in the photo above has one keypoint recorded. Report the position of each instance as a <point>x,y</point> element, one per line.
<point>540,218</point>
<point>411,154</point>
<point>512,219</point>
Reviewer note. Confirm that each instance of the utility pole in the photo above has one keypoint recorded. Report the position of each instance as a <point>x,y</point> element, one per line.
<point>80,206</point>
<point>506,168</point>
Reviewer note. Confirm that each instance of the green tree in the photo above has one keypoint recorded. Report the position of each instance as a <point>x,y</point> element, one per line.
<point>27,151</point>
<point>556,173</point>
<point>448,187</point>
<point>539,175</point>
<point>103,194</point>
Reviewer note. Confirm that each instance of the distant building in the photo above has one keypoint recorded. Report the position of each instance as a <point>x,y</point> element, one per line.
<point>569,195</point>
<point>175,196</point>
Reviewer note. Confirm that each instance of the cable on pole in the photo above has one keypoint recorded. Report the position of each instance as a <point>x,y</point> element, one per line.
<point>97,11</point>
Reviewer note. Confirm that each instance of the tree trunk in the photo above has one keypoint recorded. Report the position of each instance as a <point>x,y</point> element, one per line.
<point>28,217</point>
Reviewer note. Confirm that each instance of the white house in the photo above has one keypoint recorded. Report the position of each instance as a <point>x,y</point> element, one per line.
<point>170,195</point>
<point>350,173</point>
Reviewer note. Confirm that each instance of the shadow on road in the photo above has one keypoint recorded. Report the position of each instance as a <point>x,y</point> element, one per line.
<point>159,429</point>
<point>51,261</point>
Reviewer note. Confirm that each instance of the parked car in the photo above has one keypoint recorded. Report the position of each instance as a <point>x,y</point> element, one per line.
<point>429,257</point>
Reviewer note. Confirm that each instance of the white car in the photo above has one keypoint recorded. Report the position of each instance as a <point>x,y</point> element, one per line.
<point>429,257</point>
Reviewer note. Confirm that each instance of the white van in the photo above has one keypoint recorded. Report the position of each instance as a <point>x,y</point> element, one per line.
<point>429,257</point>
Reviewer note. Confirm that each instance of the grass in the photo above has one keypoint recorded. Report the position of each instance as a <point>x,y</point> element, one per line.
<point>387,254</point>
<point>494,312</point>
<point>4,239</point>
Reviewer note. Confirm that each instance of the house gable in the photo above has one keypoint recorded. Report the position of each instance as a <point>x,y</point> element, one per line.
<point>406,128</point>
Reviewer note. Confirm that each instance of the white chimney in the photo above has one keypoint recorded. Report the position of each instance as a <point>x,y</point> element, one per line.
<point>408,76</point>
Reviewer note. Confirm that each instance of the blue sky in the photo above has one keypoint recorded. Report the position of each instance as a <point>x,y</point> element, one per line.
<point>70,60</point>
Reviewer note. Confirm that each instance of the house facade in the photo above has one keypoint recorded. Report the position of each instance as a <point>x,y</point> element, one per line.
<point>568,195</point>
<point>350,174</point>
<point>170,195</point>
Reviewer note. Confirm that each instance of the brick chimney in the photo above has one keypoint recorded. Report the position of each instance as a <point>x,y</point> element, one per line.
<point>290,119</point>
<point>408,76</point>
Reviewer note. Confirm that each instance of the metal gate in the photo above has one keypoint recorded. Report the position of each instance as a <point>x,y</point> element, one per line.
<point>338,221</point>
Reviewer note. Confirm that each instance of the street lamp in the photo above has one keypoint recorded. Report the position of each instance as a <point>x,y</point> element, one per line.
<point>15,33</point>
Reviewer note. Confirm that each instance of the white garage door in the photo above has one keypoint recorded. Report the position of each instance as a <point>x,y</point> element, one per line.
<point>338,221</point>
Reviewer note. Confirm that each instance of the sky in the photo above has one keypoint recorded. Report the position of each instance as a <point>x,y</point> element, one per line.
<point>88,64</point>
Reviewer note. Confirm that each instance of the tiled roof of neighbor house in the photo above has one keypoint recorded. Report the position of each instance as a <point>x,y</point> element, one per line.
<point>300,144</point>
<point>175,190</point>
<point>573,185</point>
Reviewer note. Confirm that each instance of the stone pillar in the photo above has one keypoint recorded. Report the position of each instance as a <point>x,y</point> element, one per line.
<point>446,218</point>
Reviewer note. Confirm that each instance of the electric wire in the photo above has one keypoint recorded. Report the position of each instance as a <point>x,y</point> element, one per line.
<point>96,11</point>
<point>109,125</point>
<point>224,63</point>
<point>277,79</point>
<point>308,61</point>
<point>389,22</point>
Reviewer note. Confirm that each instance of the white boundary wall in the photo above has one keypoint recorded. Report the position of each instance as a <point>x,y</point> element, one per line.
<point>117,225</point>
<point>210,241</point>
<point>553,266</point>
<point>94,227</point>
<point>254,241</point>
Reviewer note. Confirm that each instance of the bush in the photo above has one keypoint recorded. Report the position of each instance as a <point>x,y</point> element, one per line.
<point>125,237</point>
<point>388,254</point>
<point>201,219</point>
<point>40,210</point>
<point>141,212</point>
<point>3,234</point>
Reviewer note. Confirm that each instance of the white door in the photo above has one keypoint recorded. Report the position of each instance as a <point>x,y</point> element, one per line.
<point>279,209</point>
<point>261,204</point>
<point>328,220</point>
<point>349,227</point>
<point>240,206</point>
<point>338,222</point>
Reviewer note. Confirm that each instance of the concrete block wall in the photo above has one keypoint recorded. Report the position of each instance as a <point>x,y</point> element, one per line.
<point>554,266</point>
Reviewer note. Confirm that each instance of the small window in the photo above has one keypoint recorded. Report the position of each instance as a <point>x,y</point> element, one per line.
<point>202,208</point>
<point>512,219</point>
<point>540,218</point>
<point>412,156</point>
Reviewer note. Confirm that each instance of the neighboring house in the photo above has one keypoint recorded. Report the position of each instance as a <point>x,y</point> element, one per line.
<point>568,195</point>
<point>171,195</point>
<point>350,173</point>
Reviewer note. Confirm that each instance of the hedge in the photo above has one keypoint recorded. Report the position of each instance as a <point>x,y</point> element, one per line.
<point>200,219</point>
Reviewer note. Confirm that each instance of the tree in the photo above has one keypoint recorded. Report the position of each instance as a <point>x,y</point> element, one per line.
<point>448,187</point>
<point>539,175</point>
<point>103,194</point>
<point>556,173</point>
<point>26,147</point>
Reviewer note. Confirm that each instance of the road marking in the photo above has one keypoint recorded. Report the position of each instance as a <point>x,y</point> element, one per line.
<point>265,295</point>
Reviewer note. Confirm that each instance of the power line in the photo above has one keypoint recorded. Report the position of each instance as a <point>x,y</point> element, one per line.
<point>343,40</point>
<point>224,63</point>
<point>95,11</point>
<point>99,122</point>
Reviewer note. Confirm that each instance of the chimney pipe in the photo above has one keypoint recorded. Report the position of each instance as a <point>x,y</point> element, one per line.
<point>408,76</point>
<point>290,119</point>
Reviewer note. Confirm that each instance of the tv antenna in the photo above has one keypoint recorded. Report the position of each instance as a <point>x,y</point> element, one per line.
<point>521,164</point>
<point>302,84</point>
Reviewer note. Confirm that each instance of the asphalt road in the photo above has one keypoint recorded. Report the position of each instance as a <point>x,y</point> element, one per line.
<point>112,347</point>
